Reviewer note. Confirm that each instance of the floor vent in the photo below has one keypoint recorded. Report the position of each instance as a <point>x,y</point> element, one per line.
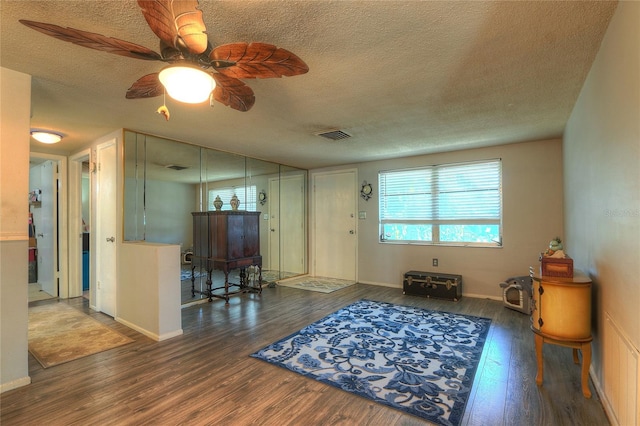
<point>334,135</point>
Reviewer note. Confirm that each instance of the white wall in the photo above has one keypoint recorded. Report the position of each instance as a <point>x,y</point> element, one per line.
<point>602,184</point>
<point>15,106</point>
<point>532,216</point>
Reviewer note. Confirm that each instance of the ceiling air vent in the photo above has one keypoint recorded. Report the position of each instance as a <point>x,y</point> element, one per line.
<point>334,135</point>
<point>176,167</point>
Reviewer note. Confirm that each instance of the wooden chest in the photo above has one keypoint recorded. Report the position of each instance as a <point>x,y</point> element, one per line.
<point>433,284</point>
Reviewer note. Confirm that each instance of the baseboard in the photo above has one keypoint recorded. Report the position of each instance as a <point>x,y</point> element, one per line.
<point>195,302</point>
<point>150,334</point>
<point>284,280</point>
<point>166,336</point>
<point>482,296</point>
<point>608,409</point>
<point>380,284</point>
<point>399,287</point>
<point>14,384</point>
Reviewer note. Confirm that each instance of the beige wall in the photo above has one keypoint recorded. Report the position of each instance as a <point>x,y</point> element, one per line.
<point>532,210</point>
<point>602,180</point>
<point>148,273</point>
<point>15,106</point>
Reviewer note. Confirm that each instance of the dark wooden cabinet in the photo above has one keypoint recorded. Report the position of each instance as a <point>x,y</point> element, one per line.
<point>226,240</point>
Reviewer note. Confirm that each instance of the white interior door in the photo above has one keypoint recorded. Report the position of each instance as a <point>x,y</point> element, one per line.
<point>106,228</point>
<point>273,261</point>
<point>334,224</point>
<point>46,229</point>
<point>292,229</point>
<point>287,242</point>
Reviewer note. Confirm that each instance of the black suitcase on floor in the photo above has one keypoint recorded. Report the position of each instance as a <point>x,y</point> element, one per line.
<point>433,284</point>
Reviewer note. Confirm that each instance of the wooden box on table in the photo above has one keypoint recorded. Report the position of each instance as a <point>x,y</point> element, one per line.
<point>556,267</point>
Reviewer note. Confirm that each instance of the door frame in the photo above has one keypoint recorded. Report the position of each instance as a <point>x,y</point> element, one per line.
<point>75,220</point>
<point>62,221</point>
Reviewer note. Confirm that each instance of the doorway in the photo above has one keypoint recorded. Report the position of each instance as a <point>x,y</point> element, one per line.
<point>334,224</point>
<point>48,229</point>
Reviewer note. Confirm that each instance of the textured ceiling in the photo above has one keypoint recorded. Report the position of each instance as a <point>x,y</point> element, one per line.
<point>401,77</point>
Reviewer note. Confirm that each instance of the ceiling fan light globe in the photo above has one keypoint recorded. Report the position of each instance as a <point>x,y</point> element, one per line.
<point>187,84</point>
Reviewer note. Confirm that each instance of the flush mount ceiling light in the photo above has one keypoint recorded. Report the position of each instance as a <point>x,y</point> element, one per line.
<point>46,136</point>
<point>187,84</point>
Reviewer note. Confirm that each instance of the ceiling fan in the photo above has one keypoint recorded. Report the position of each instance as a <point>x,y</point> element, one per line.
<point>184,44</point>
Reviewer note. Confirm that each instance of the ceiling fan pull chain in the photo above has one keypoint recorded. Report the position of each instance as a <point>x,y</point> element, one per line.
<point>163,110</point>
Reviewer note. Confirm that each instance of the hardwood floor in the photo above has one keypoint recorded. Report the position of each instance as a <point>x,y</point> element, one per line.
<point>206,375</point>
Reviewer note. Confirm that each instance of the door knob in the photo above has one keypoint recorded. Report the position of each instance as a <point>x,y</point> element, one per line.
<point>111,240</point>
<point>352,231</point>
<point>273,230</point>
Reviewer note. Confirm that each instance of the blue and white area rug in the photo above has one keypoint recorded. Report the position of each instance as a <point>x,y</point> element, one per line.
<point>419,361</point>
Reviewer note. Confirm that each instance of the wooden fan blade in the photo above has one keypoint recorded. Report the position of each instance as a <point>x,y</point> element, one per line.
<point>257,60</point>
<point>94,41</point>
<point>148,86</point>
<point>233,93</point>
<point>177,23</point>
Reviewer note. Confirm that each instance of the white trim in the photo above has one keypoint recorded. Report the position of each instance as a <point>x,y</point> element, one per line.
<point>14,384</point>
<point>75,221</point>
<point>14,236</point>
<point>150,334</point>
<point>399,287</point>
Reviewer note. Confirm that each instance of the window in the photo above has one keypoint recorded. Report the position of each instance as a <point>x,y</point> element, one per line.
<point>454,204</point>
<point>246,194</point>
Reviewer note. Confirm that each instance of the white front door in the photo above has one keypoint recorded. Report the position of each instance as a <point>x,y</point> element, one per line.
<point>334,224</point>
<point>46,230</point>
<point>105,259</point>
